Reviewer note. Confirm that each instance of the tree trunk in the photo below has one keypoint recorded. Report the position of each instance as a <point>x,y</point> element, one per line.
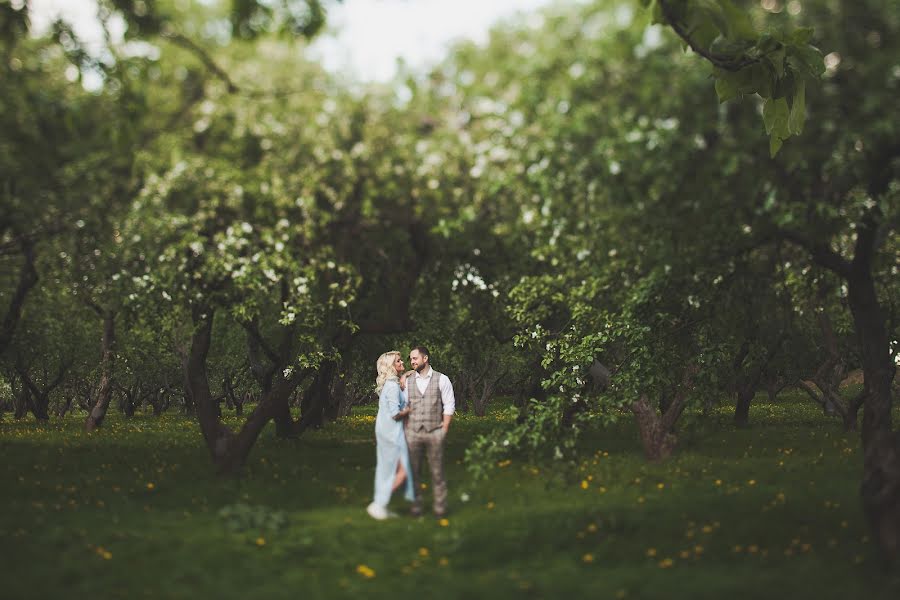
<point>28,277</point>
<point>317,396</point>
<point>742,406</point>
<point>107,362</point>
<point>880,488</point>
<point>38,400</point>
<point>22,402</point>
<point>658,441</point>
<point>657,431</point>
<point>774,386</point>
<point>228,450</point>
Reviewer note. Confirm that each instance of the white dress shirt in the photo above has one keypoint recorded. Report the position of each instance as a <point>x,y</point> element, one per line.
<point>447,398</point>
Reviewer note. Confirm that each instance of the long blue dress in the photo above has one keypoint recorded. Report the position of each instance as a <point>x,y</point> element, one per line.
<point>390,444</point>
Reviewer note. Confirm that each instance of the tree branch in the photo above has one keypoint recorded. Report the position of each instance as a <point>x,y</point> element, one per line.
<point>185,42</point>
<point>821,253</point>
<point>729,63</point>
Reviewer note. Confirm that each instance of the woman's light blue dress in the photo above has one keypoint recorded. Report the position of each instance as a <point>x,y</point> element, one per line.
<point>390,444</point>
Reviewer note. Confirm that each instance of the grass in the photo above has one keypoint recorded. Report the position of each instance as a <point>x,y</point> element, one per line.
<point>133,511</point>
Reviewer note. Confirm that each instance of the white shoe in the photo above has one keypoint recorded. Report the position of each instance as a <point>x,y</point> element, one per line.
<point>377,512</point>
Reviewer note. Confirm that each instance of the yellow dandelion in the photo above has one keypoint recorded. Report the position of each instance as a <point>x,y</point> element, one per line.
<point>444,523</point>
<point>587,558</point>
<point>490,505</point>
<point>107,555</point>
<point>365,571</point>
<point>592,527</point>
<point>443,561</point>
<point>666,563</point>
<point>718,482</point>
<point>584,484</point>
<point>751,482</point>
<point>260,541</point>
<point>423,552</point>
<point>151,486</point>
<point>651,552</point>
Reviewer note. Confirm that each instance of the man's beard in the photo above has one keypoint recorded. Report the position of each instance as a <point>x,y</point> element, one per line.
<point>420,367</point>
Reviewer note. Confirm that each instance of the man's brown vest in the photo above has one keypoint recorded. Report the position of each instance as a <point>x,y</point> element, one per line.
<point>426,411</point>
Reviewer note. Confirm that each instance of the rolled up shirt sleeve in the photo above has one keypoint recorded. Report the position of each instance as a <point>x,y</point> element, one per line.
<point>447,397</point>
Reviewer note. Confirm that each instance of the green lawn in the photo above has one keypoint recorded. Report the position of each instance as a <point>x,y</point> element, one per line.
<point>134,511</point>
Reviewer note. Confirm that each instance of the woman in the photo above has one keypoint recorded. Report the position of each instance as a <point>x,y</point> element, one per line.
<point>392,468</point>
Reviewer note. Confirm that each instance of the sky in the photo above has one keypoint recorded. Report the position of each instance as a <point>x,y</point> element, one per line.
<point>364,38</point>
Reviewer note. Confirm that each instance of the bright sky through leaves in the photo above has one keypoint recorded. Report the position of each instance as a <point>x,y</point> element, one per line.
<point>364,37</point>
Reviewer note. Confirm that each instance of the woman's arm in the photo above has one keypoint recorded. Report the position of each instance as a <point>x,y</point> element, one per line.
<point>392,399</point>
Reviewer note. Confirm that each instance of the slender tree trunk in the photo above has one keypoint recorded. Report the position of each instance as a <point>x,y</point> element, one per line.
<point>107,363</point>
<point>774,386</point>
<point>22,402</point>
<point>28,277</point>
<point>880,488</point>
<point>742,405</point>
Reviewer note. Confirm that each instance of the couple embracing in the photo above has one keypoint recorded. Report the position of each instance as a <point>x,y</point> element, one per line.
<point>414,414</point>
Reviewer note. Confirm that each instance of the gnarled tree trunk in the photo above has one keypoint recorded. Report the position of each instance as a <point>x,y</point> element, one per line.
<point>657,430</point>
<point>107,362</point>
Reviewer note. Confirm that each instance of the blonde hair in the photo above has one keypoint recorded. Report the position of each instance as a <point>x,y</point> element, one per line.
<point>384,366</point>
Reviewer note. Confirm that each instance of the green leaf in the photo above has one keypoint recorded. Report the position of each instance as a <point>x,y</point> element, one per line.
<point>776,59</point>
<point>801,36</point>
<point>761,81</point>
<point>737,21</point>
<point>798,109</point>
<point>775,144</point>
<point>726,85</point>
<point>807,61</point>
<point>775,116</point>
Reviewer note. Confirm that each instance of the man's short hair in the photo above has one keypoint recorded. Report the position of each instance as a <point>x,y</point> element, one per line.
<point>423,351</point>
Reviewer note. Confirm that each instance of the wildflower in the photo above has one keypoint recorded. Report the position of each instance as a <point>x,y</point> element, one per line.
<point>365,571</point>
<point>587,558</point>
<point>260,541</point>
<point>444,523</point>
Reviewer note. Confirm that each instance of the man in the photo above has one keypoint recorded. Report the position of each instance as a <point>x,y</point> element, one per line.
<point>431,407</point>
